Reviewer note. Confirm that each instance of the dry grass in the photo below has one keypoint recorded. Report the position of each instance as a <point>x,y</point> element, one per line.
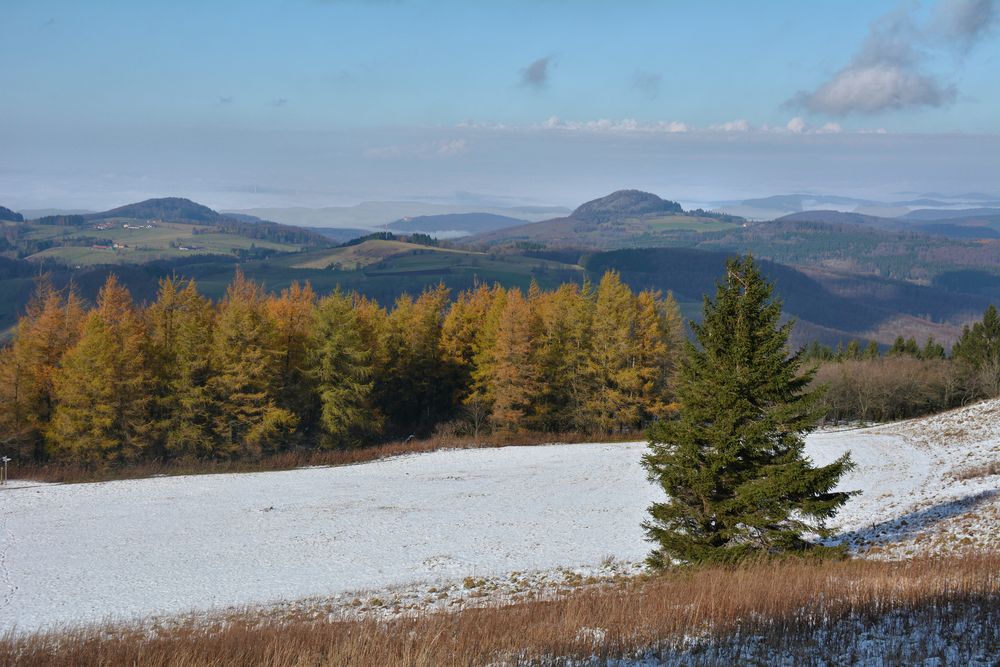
<point>775,605</point>
<point>975,472</point>
<point>68,473</point>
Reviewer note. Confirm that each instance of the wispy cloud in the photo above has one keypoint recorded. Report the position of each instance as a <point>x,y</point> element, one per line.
<point>626,126</point>
<point>962,23</point>
<point>610,125</point>
<point>738,125</point>
<point>225,99</point>
<point>279,102</point>
<point>647,83</point>
<point>536,75</point>
<point>444,148</point>
<point>889,71</point>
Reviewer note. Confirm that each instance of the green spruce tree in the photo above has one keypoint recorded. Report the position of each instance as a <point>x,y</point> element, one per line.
<point>732,465</point>
<point>341,369</point>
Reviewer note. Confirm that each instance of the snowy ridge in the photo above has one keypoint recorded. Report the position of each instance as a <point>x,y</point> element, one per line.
<point>438,530</point>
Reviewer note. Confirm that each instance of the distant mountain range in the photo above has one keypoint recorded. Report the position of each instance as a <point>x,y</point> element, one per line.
<point>767,208</point>
<point>980,223</point>
<point>376,215</point>
<point>842,273</point>
<point>930,214</point>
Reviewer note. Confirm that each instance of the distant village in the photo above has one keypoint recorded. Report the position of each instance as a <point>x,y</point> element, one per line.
<point>110,224</point>
<point>117,245</point>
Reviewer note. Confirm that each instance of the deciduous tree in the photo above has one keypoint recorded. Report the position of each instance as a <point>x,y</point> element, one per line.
<point>102,388</point>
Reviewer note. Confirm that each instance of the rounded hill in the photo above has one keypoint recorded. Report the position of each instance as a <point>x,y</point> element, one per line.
<point>623,204</point>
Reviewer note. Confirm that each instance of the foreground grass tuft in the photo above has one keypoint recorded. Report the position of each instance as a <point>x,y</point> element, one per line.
<point>804,611</point>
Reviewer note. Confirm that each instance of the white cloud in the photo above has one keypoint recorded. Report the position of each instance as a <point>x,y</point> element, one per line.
<point>878,87</point>
<point>963,22</point>
<point>631,126</point>
<point>739,125</point>
<point>609,125</point>
<point>796,125</point>
<point>888,71</point>
<point>451,147</point>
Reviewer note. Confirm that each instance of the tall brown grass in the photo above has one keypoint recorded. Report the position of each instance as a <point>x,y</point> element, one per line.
<point>778,603</point>
<point>67,473</point>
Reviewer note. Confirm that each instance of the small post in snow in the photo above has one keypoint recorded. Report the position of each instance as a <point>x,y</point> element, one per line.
<point>3,476</point>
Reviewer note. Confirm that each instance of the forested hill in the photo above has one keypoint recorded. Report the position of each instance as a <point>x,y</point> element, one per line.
<point>173,209</point>
<point>826,306</point>
<point>625,203</point>
<point>178,209</point>
<point>972,226</point>
<point>7,214</point>
<point>622,218</point>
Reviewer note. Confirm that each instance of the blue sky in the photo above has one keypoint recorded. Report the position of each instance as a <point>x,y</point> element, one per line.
<point>129,98</point>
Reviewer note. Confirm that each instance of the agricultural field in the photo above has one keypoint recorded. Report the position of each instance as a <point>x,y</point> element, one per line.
<point>363,255</point>
<point>688,223</point>
<point>129,241</point>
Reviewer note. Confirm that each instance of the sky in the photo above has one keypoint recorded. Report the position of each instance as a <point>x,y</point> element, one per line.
<point>333,102</point>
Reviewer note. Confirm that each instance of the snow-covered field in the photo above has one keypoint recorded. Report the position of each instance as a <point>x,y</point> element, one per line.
<point>426,527</point>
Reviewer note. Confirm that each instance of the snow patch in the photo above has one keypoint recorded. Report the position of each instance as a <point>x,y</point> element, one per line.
<point>309,539</point>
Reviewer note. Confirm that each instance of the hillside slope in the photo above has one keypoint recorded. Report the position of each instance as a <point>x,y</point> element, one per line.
<point>829,306</point>
<point>77,553</point>
<point>955,227</point>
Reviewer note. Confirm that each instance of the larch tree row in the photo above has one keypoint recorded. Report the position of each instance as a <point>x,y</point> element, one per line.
<point>183,378</point>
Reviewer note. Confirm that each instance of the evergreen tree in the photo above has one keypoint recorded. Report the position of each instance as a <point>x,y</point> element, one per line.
<point>341,371</point>
<point>180,324</point>
<point>372,323</point>
<point>904,347</point>
<point>872,351</point>
<point>414,392</point>
<point>978,351</point>
<point>732,464</point>
<point>817,351</point>
<point>932,350</point>
<point>103,385</point>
